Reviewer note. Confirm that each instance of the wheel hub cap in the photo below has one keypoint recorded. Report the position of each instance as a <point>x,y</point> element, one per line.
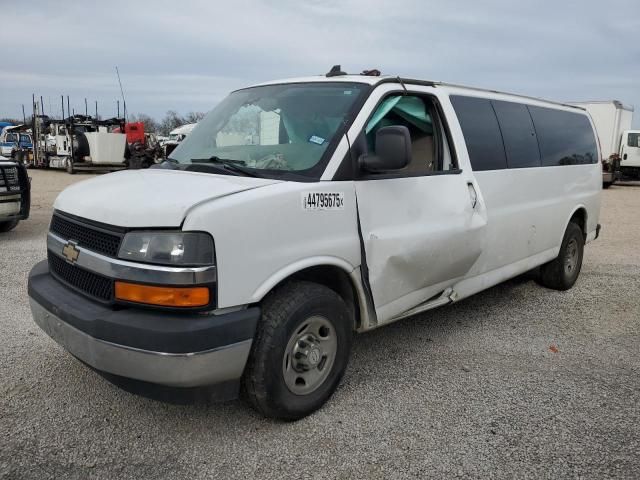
<point>309,355</point>
<point>571,257</point>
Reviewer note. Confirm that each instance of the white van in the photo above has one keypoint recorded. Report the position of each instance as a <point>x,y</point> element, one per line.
<point>369,199</point>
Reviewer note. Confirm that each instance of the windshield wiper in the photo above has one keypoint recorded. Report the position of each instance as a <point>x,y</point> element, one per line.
<point>236,166</point>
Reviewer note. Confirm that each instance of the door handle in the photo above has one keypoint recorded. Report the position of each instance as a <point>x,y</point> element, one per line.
<point>473,195</point>
<point>624,157</point>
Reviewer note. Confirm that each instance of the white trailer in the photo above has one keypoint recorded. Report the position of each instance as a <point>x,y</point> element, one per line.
<point>612,120</point>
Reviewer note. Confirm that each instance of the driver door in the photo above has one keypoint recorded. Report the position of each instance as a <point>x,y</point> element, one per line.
<point>423,227</point>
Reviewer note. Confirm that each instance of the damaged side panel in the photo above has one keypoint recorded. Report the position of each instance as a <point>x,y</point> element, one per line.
<point>420,235</point>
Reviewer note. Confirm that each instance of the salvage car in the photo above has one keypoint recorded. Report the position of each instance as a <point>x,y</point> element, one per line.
<point>12,141</point>
<point>299,212</point>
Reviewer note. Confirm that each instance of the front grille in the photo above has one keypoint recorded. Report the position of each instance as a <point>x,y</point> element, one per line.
<point>9,180</point>
<point>90,283</point>
<point>86,236</point>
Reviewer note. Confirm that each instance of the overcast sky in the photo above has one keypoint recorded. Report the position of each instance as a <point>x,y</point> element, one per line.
<point>187,55</point>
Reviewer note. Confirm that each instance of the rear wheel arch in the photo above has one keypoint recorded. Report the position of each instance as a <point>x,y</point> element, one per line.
<point>579,217</point>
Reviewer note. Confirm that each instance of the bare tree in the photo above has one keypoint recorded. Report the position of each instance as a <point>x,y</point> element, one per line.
<point>150,124</point>
<point>194,117</point>
<point>170,121</point>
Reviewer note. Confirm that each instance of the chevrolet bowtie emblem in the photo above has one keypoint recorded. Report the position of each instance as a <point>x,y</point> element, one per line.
<point>71,252</point>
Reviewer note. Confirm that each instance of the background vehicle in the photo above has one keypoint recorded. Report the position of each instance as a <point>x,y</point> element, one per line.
<point>144,149</point>
<point>630,154</point>
<point>175,137</point>
<point>15,194</point>
<point>299,212</point>
<point>80,142</point>
<point>613,121</point>
<point>16,141</point>
<point>3,125</point>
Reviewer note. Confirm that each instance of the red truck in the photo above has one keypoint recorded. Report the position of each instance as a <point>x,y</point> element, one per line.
<point>143,148</point>
<point>134,132</point>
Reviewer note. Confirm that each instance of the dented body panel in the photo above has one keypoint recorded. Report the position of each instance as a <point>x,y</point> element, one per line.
<point>417,244</point>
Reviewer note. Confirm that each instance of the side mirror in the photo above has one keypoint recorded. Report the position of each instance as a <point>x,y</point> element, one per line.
<point>393,150</point>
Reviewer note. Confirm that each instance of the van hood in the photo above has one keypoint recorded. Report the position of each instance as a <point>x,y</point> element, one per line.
<point>149,198</point>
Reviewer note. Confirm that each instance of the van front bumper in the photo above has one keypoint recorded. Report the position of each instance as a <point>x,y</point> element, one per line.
<point>167,348</point>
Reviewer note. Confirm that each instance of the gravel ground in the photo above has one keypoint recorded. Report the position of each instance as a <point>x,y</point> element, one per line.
<point>517,381</point>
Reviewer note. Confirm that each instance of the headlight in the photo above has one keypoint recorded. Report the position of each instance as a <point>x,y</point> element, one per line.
<point>168,248</point>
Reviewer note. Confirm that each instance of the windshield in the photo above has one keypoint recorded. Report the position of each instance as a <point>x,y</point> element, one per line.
<point>25,138</point>
<point>283,128</point>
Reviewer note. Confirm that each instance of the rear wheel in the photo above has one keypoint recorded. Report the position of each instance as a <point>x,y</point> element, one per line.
<point>8,225</point>
<point>562,272</point>
<point>606,185</point>
<point>300,352</point>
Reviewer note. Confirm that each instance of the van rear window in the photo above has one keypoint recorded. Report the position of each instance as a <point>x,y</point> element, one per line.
<point>481,132</point>
<point>565,138</point>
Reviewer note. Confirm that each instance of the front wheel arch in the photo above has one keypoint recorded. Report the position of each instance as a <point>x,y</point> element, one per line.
<point>332,272</point>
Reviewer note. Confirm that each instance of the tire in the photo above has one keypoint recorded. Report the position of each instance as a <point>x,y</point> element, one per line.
<point>606,185</point>
<point>562,272</point>
<point>301,322</point>
<point>8,225</point>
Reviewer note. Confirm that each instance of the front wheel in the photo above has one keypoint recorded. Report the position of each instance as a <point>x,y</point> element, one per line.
<point>300,352</point>
<point>562,272</point>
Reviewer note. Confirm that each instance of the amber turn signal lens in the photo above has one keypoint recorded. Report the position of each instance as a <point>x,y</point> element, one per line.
<point>163,296</point>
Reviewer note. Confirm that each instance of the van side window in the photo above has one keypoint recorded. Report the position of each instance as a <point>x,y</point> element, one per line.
<point>414,113</point>
<point>481,132</point>
<point>633,140</point>
<point>518,134</point>
<point>565,138</point>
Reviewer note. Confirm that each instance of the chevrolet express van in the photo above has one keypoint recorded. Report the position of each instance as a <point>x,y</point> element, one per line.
<point>301,211</point>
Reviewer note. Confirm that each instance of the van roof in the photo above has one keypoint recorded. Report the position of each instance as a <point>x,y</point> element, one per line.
<point>373,80</point>
<point>616,103</point>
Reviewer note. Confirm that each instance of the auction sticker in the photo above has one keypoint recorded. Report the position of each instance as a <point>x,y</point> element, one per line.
<point>322,200</point>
